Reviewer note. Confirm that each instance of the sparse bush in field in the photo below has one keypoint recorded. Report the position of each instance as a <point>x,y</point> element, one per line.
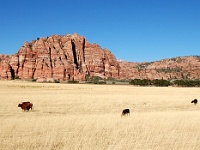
<point>162,82</point>
<point>187,83</point>
<point>110,79</point>
<point>141,82</point>
<point>17,77</point>
<point>95,80</point>
<point>33,80</point>
<point>146,82</point>
<point>57,81</point>
<point>73,81</point>
<point>101,82</point>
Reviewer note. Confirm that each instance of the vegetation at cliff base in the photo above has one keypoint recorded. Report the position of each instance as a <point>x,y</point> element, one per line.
<point>162,82</point>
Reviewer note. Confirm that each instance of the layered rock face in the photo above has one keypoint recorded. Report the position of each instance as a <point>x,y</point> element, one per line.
<point>168,69</point>
<point>6,71</point>
<point>69,57</point>
<point>72,57</point>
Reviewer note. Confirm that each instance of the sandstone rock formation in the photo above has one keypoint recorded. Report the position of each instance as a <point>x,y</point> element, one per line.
<point>168,69</point>
<point>72,57</point>
<point>69,57</point>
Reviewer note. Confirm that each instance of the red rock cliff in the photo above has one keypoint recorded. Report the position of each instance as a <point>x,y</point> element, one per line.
<point>69,57</point>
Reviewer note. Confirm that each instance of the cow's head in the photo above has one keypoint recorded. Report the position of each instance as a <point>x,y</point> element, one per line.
<point>19,105</point>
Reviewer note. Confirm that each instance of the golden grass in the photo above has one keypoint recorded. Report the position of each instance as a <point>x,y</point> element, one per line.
<point>88,117</point>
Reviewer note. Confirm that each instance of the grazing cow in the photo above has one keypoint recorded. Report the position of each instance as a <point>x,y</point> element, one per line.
<point>125,112</point>
<point>195,101</point>
<point>26,106</point>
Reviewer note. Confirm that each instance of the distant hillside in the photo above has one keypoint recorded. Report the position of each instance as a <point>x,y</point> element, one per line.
<point>72,57</point>
<point>187,67</point>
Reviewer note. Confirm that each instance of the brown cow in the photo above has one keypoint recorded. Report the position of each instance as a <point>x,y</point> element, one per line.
<point>26,106</point>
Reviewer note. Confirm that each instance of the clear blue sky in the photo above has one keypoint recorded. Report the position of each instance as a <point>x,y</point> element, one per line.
<point>134,30</point>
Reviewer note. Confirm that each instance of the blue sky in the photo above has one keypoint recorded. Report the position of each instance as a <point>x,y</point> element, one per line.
<point>133,30</point>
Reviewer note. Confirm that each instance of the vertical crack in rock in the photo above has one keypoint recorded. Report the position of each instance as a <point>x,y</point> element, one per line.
<point>23,62</point>
<point>50,58</point>
<point>17,65</point>
<point>66,57</point>
<point>42,64</point>
<point>64,52</point>
<point>84,50</point>
<point>12,71</point>
<point>34,68</point>
<point>74,54</point>
<point>104,67</point>
<point>64,73</point>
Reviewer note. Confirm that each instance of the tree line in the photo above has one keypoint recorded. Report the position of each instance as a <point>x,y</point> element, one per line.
<point>162,82</point>
<point>146,82</point>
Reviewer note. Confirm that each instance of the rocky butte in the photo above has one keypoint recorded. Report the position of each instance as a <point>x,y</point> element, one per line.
<point>69,57</point>
<point>72,57</point>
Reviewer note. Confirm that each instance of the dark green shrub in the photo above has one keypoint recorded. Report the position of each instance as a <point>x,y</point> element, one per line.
<point>187,83</point>
<point>73,81</point>
<point>141,82</point>
<point>17,77</point>
<point>57,81</point>
<point>95,80</point>
<point>162,82</point>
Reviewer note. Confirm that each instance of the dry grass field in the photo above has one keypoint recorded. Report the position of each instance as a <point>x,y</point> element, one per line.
<point>88,117</point>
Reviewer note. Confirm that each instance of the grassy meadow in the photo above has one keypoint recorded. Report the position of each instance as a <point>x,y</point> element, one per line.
<point>88,117</point>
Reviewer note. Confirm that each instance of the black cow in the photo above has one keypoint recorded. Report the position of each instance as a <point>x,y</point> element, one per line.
<point>26,106</point>
<point>195,101</point>
<point>125,112</point>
